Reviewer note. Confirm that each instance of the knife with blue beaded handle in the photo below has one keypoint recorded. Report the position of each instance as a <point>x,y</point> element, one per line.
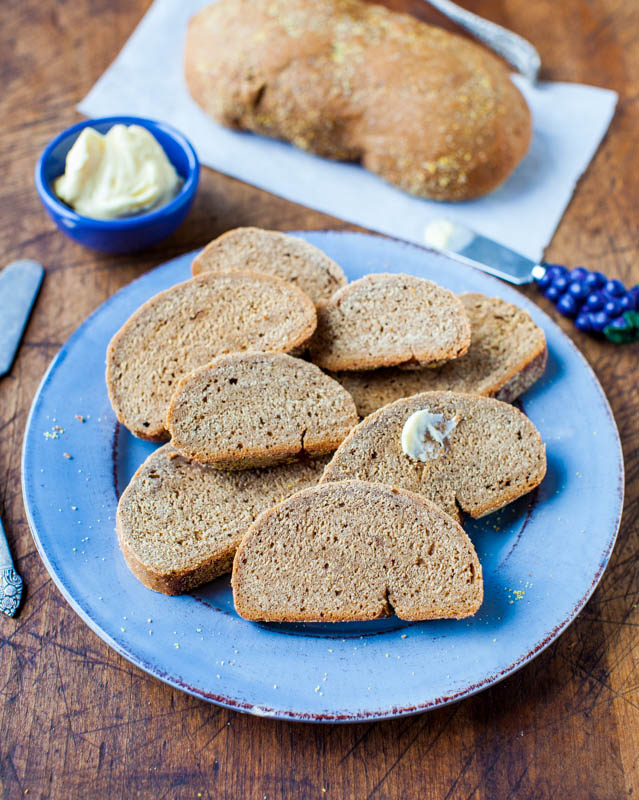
<point>19,286</point>
<point>596,304</point>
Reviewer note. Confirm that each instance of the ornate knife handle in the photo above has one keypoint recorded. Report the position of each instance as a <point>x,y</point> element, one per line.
<point>10,581</point>
<point>514,48</point>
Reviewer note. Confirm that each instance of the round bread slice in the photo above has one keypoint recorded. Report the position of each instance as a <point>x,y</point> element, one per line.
<point>190,324</point>
<point>179,523</point>
<point>254,409</point>
<point>355,551</point>
<point>492,455</point>
<point>507,355</point>
<point>274,253</point>
<point>386,320</point>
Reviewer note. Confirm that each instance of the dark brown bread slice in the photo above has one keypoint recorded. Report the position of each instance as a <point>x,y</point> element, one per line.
<point>493,456</point>
<point>287,257</point>
<point>254,409</point>
<point>429,111</point>
<point>384,320</point>
<point>355,551</point>
<point>187,326</point>
<point>507,355</point>
<point>179,523</point>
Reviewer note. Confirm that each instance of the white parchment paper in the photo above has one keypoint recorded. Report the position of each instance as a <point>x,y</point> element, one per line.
<point>569,122</point>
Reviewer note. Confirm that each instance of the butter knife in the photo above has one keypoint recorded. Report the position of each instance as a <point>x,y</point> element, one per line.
<point>19,286</point>
<point>597,305</point>
<point>514,48</point>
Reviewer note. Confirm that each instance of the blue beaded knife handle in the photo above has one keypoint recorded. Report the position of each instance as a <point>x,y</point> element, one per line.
<point>597,305</point>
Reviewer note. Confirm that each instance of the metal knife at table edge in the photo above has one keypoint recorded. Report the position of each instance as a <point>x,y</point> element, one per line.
<point>19,286</point>
<point>597,305</point>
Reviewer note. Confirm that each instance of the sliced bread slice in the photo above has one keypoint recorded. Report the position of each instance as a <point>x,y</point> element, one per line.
<point>252,409</point>
<point>507,355</point>
<point>385,320</point>
<point>287,257</point>
<point>179,523</point>
<point>355,551</point>
<point>187,326</point>
<point>478,454</point>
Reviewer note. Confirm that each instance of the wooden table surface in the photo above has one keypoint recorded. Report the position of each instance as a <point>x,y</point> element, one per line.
<point>76,719</point>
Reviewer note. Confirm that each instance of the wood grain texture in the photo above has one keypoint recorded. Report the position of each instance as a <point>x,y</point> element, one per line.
<point>77,720</point>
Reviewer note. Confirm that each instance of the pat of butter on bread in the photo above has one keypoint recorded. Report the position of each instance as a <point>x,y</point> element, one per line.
<point>424,435</point>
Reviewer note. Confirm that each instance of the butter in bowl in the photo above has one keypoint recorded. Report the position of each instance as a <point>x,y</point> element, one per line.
<point>118,184</point>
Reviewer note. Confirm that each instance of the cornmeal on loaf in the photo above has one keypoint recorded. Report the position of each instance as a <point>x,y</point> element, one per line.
<point>429,111</point>
<point>493,455</point>
<point>355,551</point>
<point>179,523</point>
<point>287,257</point>
<point>384,320</point>
<point>187,326</point>
<point>253,409</point>
<point>507,355</point>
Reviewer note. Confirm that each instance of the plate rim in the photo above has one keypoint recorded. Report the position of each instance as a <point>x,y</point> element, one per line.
<point>285,714</point>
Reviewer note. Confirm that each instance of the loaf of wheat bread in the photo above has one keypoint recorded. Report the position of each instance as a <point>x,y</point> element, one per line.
<point>507,355</point>
<point>187,326</point>
<point>255,409</point>
<point>355,551</point>
<point>383,320</point>
<point>429,111</point>
<point>179,523</point>
<point>287,257</point>
<point>483,453</point>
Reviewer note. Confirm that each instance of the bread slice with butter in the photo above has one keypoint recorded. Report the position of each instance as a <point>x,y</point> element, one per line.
<point>179,523</point>
<point>507,355</point>
<point>253,409</point>
<point>190,324</point>
<point>274,253</point>
<point>384,320</point>
<point>355,551</point>
<point>478,454</point>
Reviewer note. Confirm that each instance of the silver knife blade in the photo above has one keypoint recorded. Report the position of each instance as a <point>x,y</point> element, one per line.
<point>465,245</point>
<point>19,286</point>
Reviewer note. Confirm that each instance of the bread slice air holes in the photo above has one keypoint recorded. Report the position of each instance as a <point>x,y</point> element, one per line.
<point>179,523</point>
<point>507,355</point>
<point>483,466</point>
<point>235,312</point>
<point>270,408</point>
<point>341,573</point>
<point>386,320</point>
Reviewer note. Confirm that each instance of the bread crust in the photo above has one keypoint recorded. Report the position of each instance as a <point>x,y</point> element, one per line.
<point>430,112</point>
<point>275,253</point>
<point>176,582</point>
<point>520,380</point>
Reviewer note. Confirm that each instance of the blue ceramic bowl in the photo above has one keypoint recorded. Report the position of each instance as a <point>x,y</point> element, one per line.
<point>129,233</point>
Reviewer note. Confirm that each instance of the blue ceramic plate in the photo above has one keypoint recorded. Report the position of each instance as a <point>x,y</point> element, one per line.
<point>542,556</point>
